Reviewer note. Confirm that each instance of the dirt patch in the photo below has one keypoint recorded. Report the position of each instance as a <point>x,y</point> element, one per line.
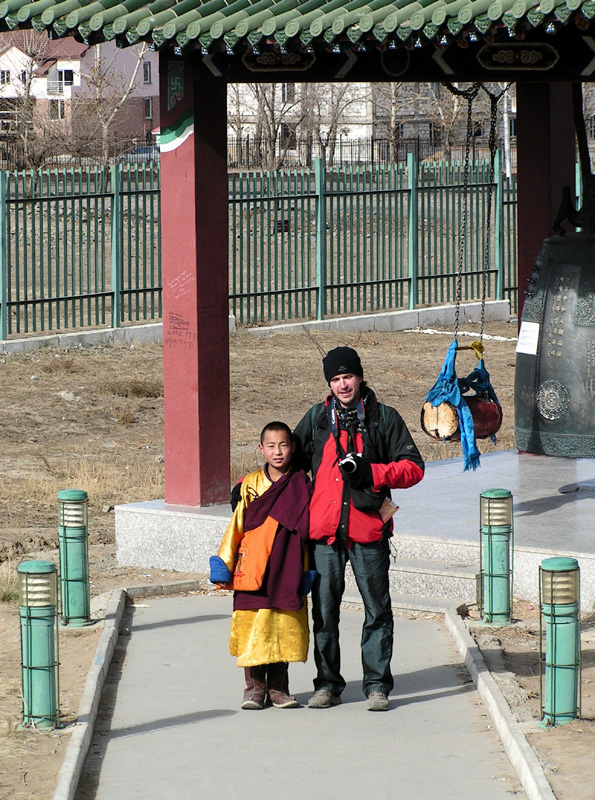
<point>93,419</point>
<point>513,654</point>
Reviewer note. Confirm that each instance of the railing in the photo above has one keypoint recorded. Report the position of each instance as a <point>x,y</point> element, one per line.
<point>63,264</point>
<point>303,244</point>
<point>351,240</point>
<point>252,152</point>
<point>55,87</point>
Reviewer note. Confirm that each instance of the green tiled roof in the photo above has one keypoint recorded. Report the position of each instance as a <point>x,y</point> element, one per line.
<point>212,24</point>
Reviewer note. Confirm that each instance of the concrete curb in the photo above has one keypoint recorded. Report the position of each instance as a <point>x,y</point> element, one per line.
<point>80,741</point>
<point>519,751</point>
<point>152,332</point>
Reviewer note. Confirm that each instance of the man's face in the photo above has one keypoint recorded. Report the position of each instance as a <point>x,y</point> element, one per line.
<point>346,389</point>
<point>277,449</point>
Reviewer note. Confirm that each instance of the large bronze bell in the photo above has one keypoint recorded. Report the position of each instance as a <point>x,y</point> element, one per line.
<point>555,367</point>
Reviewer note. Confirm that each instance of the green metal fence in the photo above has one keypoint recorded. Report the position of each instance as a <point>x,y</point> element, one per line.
<point>63,264</point>
<point>353,239</point>
<point>303,244</point>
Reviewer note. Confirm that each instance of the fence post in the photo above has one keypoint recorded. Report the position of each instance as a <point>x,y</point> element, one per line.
<point>499,226</point>
<point>4,276</point>
<point>116,245</point>
<point>412,232</point>
<point>320,188</point>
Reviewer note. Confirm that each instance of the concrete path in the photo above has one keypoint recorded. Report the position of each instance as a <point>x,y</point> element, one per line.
<point>169,724</point>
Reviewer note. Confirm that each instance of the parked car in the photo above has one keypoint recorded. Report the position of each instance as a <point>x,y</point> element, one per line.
<point>149,152</point>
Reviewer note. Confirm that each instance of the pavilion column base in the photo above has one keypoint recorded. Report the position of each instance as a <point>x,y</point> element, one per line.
<point>182,538</point>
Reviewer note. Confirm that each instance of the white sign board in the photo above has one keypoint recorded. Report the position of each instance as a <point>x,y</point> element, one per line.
<point>528,338</point>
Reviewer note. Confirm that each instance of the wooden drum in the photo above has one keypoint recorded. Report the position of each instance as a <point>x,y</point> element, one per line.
<point>442,422</point>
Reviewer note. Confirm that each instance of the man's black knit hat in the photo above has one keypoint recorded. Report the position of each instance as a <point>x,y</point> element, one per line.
<point>341,361</point>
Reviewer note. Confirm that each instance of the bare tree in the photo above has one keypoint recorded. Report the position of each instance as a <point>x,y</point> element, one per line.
<point>329,107</point>
<point>19,112</point>
<point>392,106</point>
<point>277,113</point>
<point>105,90</point>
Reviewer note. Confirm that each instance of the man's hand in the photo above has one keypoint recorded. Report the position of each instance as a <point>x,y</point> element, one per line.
<point>361,477</point>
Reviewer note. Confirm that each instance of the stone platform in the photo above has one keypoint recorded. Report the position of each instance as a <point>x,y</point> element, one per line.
<point>438,521</point>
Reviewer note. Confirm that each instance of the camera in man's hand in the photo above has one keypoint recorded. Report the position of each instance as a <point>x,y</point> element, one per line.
<point>350,464</point>
<point>357,470</point>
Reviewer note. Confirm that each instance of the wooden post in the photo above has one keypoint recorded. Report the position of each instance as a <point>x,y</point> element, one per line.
<point>195,285</point>
<point>545,163</point>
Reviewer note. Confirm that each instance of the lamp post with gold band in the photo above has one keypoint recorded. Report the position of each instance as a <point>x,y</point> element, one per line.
<point>495,510</point>
<point>39,643</point>
<point>559,603</point>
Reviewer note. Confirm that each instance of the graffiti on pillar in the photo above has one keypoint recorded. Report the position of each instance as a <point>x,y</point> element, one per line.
<point>178,332</point>
<point>181,284</point>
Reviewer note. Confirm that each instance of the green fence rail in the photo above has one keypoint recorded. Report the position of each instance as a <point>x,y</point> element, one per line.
<point>303,244</point>
<point>348,240</point>
<point>63,265</point>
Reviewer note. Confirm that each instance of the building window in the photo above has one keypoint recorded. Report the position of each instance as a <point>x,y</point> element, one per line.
<point>56,109</point>
<point>66,76</point>
<point>146,72</point>
<point>148,108</point>
<point>512,127</point>
<point>23,76</point>
<point>288,92</point>
<point>4,77</point>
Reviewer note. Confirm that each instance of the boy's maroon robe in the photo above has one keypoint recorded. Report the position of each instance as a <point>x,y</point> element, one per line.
<point>286,501</point>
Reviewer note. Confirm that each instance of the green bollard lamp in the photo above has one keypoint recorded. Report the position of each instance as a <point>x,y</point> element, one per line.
<point>39,643</point>
<point>559,601</point>
<point>496,537</point>
<point>73,543</point>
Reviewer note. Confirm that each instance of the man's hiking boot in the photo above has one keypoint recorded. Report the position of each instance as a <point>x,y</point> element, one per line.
<point>323,698</point>
<point>378,701</point>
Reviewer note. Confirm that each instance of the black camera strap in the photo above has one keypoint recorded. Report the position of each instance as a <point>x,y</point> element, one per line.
<point>352,419</point>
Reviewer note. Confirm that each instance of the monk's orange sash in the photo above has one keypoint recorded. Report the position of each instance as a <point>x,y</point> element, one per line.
<point>253,556</point>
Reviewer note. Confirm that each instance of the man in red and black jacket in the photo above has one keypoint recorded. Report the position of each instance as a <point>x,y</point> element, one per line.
<point>357,450</point>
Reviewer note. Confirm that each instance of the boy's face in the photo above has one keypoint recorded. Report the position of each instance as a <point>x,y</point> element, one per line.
<point>277,449</point>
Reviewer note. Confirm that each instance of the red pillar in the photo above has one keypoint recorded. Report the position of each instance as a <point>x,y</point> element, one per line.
<point>545,163</point>
<point>195,285</point>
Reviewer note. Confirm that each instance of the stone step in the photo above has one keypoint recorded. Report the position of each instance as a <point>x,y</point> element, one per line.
<point>405,603</point>
<point>434,549</point>
<point>456,583</point>
<point>427,578</point>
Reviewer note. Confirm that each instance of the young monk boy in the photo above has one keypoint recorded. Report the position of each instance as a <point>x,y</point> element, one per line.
<point>262,557</point>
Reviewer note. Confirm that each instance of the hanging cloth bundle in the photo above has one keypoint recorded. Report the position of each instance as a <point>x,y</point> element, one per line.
<point>449,414</point>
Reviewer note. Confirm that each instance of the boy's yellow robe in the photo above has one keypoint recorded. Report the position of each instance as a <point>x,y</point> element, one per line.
<point>264,635</point>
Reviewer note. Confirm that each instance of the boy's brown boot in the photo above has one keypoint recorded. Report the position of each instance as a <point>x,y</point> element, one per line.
<point>278,683</point>
<point>256,689</point>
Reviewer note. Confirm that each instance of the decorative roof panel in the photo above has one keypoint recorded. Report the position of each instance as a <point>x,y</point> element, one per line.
<point>210,25</point>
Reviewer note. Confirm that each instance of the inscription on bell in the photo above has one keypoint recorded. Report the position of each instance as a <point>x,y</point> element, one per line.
<point>555,388</point>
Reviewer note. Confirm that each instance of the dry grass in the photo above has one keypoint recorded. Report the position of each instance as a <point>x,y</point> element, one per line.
<point>127,417</point>
<point>134,387</point>
<point>106,480</point>
<point>58,365</point>
<point>9,589</point>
